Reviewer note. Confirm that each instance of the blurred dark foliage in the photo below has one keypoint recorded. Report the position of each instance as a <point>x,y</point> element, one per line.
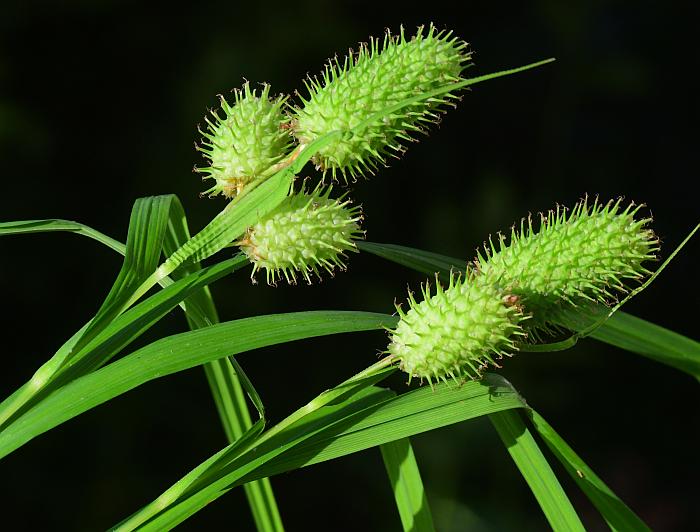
<point>99,103</point>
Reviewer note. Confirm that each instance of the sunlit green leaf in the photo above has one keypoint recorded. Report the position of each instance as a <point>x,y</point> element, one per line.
<point>407,485</point>
<point>176,353</point>
<point>536,471</point>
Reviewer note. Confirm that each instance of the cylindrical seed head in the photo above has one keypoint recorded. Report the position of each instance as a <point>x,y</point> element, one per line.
<point>306,233</point>
<point>378,76</point>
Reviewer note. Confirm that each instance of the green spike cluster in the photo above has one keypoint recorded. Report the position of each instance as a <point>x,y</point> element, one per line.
<point>585,254</point>
<point>457,331</point>
<point>245,142</point>
<point>307,232</point>
<point>377,77</point>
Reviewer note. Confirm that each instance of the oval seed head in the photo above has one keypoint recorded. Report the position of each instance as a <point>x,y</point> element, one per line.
<point>455,332</point>
<point>365,83</point>
<point>307,232</point>
<point>586,254</point>
<point>244,141</point>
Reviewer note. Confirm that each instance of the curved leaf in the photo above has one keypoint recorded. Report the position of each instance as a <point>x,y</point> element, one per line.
<point>147,226</point>
<point>407,485</point>
<point>226,383</point>
<point>536,471</point>
<point>176,353</point>
<point>57,225</point>
<point>366,418</point>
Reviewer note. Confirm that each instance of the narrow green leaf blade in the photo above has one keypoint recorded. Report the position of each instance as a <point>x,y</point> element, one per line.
<point>615,512</point>
<point>56,225</point>
<point>361,421</point>
<point>131,324</point>
<point>407,485</point>
<point>356,391</point>
<point>125,329</point>
<point>176,353</point>
<point>389,419</point>
<point>224,381</point>
<point>200,312</point>
<point>16,401</point>
<point>408,414</point>
<point>650,340</point>
<point>148,220</point>
<point>536,471</point>
<point>199,305</point>
<point>185,484</point>
<point>247,385</point>
<point>147,226</point>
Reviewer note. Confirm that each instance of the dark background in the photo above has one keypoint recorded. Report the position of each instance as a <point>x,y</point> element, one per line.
<point>99,103</point>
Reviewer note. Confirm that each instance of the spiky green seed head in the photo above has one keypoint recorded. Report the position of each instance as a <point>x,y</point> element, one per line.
<point>456,332</point>
<point>378,76</point>
<point>306,233</point>
<point>586,254</point>
<point>244,141</point>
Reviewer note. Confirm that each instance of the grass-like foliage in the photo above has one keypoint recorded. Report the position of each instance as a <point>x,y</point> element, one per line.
<point>564,277</point>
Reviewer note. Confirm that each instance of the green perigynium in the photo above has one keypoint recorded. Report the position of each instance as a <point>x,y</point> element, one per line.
<point>586,254</point>
<point>457,331</point>
<point>518,289</point>
<point>376,77</point>
<point>244,141</point>
<point>307,232</point>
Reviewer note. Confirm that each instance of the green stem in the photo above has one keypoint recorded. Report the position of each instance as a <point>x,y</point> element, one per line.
<point>233,412</point>
<point>231,405</point>
<point>23,395</point>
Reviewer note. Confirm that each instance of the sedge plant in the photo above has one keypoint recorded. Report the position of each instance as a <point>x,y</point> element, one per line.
<point>547,285</point>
